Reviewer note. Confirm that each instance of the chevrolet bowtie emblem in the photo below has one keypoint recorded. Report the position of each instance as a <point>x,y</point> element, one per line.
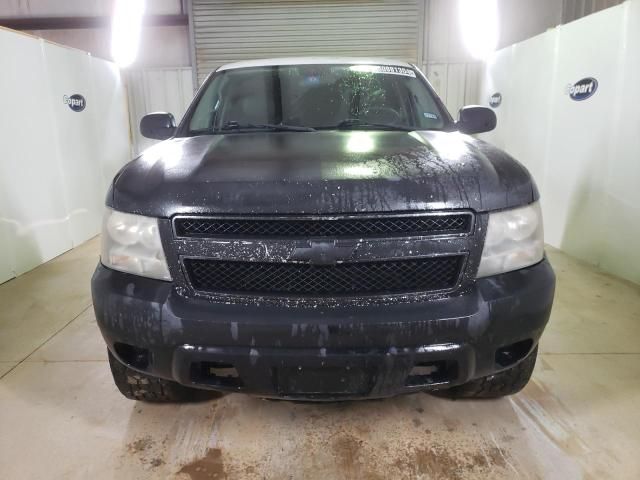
<point>324,252</point>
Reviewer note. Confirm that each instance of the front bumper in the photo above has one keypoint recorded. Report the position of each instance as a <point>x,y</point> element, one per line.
<point>326,352</point>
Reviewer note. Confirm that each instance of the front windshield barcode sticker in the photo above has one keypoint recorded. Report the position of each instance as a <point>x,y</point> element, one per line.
<point>387,69</point>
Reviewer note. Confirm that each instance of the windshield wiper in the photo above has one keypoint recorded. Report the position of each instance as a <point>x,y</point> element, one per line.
<point>200,131</point>
<point>355,123</point>
<point>274,127</point>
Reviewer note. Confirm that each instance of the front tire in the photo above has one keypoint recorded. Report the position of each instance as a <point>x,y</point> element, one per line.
<point>498,385</point>
<point>138,386</point>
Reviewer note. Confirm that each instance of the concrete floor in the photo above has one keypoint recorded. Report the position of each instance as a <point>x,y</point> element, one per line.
<point>62,417</point>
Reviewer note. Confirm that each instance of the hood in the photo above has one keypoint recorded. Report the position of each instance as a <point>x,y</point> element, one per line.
<point>320,172</point>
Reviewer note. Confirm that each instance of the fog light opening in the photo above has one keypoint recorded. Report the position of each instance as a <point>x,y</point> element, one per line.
<point>431,373</point>
<point>216,373</point>
<point>135,356</point>
<point>511,354</point>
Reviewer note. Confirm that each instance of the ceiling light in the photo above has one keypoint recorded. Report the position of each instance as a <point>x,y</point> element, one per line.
<point>125,31</point>
<point>479,26</point>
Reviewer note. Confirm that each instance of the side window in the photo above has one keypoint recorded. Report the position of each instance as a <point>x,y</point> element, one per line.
<point>205,111</point>
<point>426,110</point>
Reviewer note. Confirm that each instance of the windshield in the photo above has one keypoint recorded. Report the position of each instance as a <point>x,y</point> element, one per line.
<point>305,97</point>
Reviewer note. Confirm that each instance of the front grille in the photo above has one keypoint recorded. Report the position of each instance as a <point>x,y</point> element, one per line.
<point>295,279</point>
<point>345,227</point>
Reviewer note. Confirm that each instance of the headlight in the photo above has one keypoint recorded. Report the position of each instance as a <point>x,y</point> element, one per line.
<point>514,240</point>
<point>131,243</point>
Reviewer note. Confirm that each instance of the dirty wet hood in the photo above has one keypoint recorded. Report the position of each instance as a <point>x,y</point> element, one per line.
<point>320,172</point>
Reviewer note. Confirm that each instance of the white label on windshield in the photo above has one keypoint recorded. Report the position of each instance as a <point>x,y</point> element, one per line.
<point>388,69</point>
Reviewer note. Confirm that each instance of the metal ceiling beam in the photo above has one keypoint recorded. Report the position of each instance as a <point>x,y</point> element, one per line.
<point>70,23</point>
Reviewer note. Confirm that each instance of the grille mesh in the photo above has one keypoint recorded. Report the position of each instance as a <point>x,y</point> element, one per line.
<point>342,227</point>
<point>361,278</point>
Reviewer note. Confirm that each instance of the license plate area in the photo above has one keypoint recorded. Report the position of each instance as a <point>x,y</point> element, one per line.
<point>323,381</point>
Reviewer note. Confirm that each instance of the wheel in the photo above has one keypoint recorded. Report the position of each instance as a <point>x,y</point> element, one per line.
<point>138,386</point>
<point>504,383</point>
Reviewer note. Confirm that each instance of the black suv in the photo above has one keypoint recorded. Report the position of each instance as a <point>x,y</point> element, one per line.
<point>321,229</point>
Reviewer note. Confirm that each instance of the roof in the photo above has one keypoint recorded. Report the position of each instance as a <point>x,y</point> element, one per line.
<point>269,62</point>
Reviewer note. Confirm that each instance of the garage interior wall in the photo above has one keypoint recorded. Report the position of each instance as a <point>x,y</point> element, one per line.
<point>232,30</point>
<point>56,162</point>
<point>425,32</point>
<point>160,46</point>
<point>454,74</point>
<point>153,90</point>
<point>583,154</point>
<point>575,9</point>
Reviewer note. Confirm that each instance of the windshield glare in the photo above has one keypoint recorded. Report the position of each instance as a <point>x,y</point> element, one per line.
<point>316,96</point>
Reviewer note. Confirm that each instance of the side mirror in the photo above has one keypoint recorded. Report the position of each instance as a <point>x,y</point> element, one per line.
<point>158,125</point>
<point>474,119</point>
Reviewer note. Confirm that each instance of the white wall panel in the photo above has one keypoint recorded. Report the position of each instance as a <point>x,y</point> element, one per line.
<point>529,102</point>
<point>7,261</point>
<point>621,202</point>
<point>583,154</point>
<point>54,160</point>
<point>68,73</point>
<point>7,225</point>
<point>112,144</point>
<point>580,131</point>
<point>33,210</point>
<point>497,79</point>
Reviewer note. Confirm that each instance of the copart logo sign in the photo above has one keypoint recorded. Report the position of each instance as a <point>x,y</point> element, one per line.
<point>76,102</point>
<point>583,89</point>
